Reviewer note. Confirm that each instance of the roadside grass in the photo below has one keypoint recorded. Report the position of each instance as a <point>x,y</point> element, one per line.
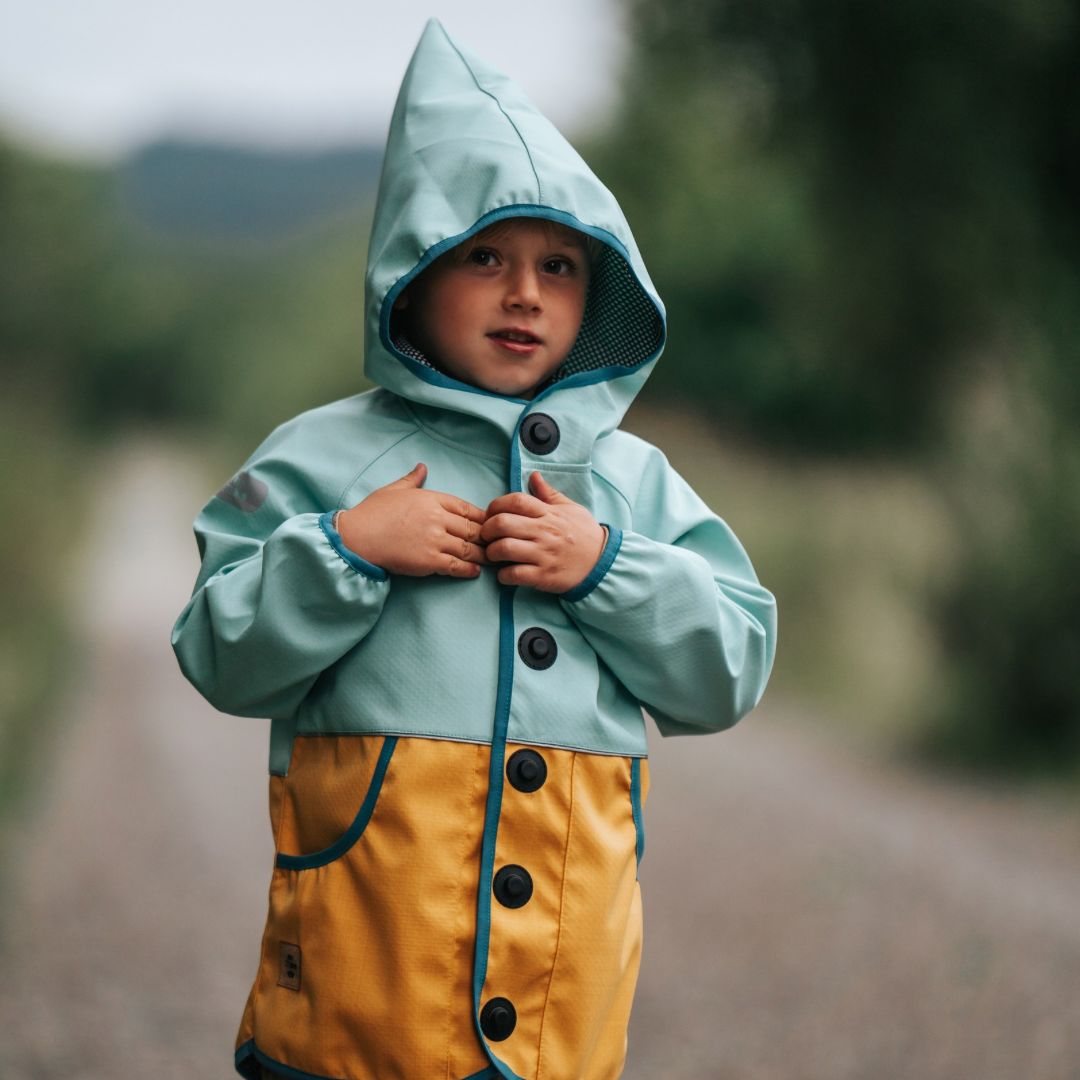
<point>41,505</point>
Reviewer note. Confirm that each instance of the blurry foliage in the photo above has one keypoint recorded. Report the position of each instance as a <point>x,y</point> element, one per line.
<point>864,218</point>
<point>38,494</point>
<point>106,322</point>
<point>1009,619</point>
<point>861,214</point>
<point>837,197</point>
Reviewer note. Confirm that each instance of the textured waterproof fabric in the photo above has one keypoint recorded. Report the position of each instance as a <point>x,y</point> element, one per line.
<point>394,699</point>
<point>567,959</point>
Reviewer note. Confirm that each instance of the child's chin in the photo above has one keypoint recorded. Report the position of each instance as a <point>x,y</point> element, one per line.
<point>510,389</point>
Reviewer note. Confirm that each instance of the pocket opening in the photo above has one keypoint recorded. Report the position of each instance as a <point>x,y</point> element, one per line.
<point>359,823</point>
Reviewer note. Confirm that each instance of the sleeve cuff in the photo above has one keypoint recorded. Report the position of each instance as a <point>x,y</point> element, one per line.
<point>598,572</point>
<point>350,558</point>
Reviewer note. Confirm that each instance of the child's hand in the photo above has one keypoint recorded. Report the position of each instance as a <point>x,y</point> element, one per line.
<point>551,541</point>
<point>408,531</point>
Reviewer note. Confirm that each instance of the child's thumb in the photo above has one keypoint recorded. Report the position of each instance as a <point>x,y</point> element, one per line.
<point>544,491</point>
<point>412,479</point>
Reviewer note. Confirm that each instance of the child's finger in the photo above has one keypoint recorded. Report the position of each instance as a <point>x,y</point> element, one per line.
<point>413,479</point>
<point>452,566</point>
<point>520,574</point>
<point>463,527</point>
<point>524,528</point>
<point>462,508</point>
<point>513,551</point>
<point>517,502</point>
<point>462,549</point>
<point>545,492</point>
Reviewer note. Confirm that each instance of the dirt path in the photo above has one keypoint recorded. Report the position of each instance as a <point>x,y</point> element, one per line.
<point>807,915</point>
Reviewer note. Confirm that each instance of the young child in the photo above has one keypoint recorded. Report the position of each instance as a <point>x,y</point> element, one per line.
<point>455,654</point>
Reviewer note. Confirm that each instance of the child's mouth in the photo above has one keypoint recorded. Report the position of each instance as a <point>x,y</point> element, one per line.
<point>516,341</point>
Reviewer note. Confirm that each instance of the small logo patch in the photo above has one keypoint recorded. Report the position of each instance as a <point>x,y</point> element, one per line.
<point>244,492</point>
<point>289,967</point>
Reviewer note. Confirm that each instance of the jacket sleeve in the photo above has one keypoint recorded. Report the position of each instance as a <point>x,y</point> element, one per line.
<point>279,598</point>
<point>673,607</point>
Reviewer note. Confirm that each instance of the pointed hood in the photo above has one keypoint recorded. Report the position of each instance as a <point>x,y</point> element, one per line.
<point>466,147</point>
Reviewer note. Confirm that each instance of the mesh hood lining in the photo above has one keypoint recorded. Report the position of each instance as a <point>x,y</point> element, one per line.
<point>621,326</point>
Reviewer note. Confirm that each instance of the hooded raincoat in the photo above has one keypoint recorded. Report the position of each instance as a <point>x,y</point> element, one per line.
<point>458,767</point>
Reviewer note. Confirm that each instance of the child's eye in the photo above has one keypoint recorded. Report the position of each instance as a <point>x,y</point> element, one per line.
<point>561,265</point>
<point>482,257</point>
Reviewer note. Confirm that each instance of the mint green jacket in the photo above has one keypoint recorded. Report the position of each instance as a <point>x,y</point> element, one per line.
<point>351,662</point>
<point>287,623</point>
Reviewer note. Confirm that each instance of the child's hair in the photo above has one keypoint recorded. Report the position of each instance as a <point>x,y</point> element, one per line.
<point>592,247</point>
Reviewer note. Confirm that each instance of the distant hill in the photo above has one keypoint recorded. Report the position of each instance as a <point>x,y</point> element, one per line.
<point>233,194</point>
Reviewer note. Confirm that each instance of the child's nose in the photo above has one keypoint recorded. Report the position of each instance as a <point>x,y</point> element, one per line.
<point>524,290</point>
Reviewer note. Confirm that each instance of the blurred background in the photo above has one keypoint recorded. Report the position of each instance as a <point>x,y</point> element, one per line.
<point>864,218</point>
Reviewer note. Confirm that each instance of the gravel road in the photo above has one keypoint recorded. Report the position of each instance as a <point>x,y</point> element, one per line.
<point>809,915</point>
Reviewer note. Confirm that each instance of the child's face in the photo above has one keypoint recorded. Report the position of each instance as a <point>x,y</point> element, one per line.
<point>502,310</point>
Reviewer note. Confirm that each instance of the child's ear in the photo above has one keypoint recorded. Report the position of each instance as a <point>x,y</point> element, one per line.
<point>402,302</point>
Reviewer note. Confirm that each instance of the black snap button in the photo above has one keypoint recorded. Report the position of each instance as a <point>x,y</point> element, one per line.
<point>513,886</point>
<point>498,1018</point>
<point>539,433</point>
<point>526,770</point>
<point>537,648</point>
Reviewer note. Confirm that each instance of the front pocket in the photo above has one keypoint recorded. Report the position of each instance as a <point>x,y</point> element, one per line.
<point>299,779</point>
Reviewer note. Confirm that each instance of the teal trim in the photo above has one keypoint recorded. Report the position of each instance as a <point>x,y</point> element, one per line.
<point>359,824</point>
<point>635,806</point>
<point>361,566</point>
<point>549,213</point>
<point>599,571</point>
<point>515,451</point>
<point>245,1062</point>
<point>282,733</point>
<point>248,1054</point>
<point>493,809</point>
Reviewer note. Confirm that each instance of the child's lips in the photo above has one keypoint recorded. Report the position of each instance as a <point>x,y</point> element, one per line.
<point>520,342</point>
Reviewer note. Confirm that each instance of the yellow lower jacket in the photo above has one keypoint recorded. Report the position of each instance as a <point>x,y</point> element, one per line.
<point>368,956</point>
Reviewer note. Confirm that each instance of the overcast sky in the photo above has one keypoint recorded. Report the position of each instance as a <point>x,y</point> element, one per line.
<point>103,76</point>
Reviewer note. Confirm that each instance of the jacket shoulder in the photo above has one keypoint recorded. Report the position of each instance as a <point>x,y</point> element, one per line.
<point>321,451</point>
<point>307,464</point>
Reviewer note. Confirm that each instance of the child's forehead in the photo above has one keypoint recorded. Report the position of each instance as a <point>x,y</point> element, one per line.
<point>507,228</point>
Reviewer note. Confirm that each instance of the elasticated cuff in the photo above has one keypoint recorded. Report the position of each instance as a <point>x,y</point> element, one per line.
<point>603,565</point>
<point>361,566</point>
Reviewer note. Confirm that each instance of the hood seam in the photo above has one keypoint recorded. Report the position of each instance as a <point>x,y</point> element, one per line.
<point>517,132</point>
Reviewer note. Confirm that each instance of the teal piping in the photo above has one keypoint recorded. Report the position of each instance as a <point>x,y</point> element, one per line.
<point>248,1051</point>
<point>359,824</point>
<point>635,806</point>
<point>493,810</point>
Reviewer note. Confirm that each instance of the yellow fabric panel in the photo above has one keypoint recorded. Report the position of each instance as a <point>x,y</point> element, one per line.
<point>387,931</point>
<point>568,959</point>
<point>380,943</point>
<point>327,781</point>
<point>592,985</point>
